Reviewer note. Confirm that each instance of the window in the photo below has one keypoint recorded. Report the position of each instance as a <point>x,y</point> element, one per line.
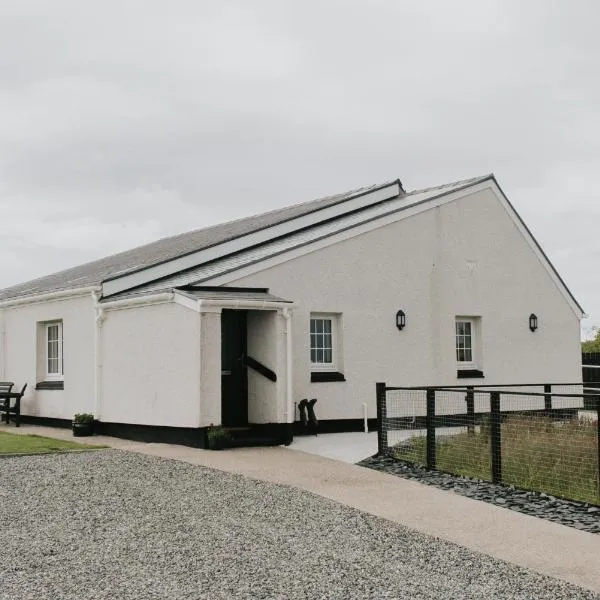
<point>469,356</point>
<point>321,341</point>
<point>464,341</point>
<point>326,348</point>
<point>54,350</point>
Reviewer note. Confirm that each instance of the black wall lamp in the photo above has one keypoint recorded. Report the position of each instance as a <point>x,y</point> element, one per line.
<point>400,319</point>
<point>533,324</point>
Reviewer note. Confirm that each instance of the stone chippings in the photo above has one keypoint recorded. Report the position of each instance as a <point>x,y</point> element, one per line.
<point>111,524</point>
<point>579,515</point>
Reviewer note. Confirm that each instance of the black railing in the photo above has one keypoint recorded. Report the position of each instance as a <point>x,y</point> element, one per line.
<point>536,436</point>
<point>260,368</point>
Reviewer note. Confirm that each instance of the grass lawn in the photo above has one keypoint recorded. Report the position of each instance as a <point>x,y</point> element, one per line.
<point>13,443</point>
<point>556,458</point>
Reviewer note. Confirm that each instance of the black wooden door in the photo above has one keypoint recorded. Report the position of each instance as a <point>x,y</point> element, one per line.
<point>234,377</point>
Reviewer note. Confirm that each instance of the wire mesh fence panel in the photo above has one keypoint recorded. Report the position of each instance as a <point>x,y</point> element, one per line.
<point>406,413</point>
<point>462,435</point>
<point>555,451</point>
<point>538,437</point>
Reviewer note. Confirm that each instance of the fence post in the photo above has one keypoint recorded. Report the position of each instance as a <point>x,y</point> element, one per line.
<point>547,397</point>
<point>382,441</point>
<point>470,399</point>
<point>495,437</point>
<point>430,425</point>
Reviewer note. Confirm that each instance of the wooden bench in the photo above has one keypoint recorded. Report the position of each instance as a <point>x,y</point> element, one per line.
<point>7,406</point>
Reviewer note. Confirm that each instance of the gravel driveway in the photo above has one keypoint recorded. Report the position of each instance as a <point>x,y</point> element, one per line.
<point>110,524</point>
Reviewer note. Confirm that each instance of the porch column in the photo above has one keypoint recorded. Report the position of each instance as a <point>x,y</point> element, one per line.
<point>210,366</point>
<point>289,369</point>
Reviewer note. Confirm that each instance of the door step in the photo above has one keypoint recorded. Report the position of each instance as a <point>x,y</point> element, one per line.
<point>246,437</point>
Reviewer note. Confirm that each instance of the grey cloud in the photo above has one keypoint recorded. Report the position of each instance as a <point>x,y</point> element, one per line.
<point>124,121</point>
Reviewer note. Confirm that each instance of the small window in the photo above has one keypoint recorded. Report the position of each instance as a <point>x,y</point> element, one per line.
<point>468,347</point>
<point>54,350</point>
<point>464,341</point>
<point>324,348</point>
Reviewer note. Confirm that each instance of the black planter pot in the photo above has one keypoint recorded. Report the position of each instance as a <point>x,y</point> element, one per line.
<point>83,429</point>
<point>216,443</point>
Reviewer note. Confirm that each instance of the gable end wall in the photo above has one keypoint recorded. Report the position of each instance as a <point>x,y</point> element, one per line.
<point>466,257</point>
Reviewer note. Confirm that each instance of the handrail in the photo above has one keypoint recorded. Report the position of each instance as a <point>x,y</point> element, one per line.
<point>260,368</point>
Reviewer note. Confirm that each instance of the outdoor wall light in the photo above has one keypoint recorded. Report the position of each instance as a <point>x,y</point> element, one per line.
<point>533,325</point>
<point>400,319</point>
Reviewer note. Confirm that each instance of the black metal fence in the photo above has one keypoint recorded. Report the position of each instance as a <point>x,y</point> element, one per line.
<point>590,367</point>
<point>544,437</point>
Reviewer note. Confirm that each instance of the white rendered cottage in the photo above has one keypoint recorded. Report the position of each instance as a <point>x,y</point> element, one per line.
<point>234,324</point>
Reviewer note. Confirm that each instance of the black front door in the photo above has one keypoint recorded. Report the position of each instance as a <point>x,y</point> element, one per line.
<point>234,378</point>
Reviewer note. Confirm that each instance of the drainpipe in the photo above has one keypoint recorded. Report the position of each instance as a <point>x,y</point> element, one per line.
<point>99,316</point>
<point>289,407</point>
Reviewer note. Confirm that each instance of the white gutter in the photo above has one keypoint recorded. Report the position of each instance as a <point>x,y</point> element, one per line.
<point>241,304</point>
<point>48,296</point>
<point>290,412</point>
<point>198,304</point>
<point>136,301</point>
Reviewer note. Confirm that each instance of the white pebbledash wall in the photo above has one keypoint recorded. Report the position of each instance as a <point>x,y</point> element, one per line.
<point>464,258</point>
<point>151,366</point>
<point>22,358</point>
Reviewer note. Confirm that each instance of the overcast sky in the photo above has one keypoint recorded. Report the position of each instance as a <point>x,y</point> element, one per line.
<point>123,121</point>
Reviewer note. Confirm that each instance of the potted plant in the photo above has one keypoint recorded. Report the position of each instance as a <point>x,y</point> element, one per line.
<point>218,438</point>
<point>83,424</point>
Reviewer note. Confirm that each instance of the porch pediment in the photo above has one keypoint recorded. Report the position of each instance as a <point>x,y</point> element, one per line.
<point>228,294</point>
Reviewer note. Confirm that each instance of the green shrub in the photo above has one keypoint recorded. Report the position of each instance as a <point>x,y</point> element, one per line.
<point>83,418</point>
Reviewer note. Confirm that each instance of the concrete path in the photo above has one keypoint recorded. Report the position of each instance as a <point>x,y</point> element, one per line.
<point>355,446</point>
<point>545,547</point>
<point>347,447</point>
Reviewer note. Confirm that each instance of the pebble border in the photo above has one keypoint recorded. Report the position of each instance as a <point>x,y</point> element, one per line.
<point>580,515</point>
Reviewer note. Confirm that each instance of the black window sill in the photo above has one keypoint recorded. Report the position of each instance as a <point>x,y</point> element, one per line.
<point>469,374</point>
<point>50,385</point>
<point>321,376</point>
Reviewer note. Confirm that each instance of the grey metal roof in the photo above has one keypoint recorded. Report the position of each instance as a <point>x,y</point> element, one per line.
<point>95,272</point>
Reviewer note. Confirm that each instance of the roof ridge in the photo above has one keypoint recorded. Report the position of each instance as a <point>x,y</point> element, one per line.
<point>467,181</point>
<point>346,196</point>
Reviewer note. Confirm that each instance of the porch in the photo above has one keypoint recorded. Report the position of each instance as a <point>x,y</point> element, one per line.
<point>246,364</point>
